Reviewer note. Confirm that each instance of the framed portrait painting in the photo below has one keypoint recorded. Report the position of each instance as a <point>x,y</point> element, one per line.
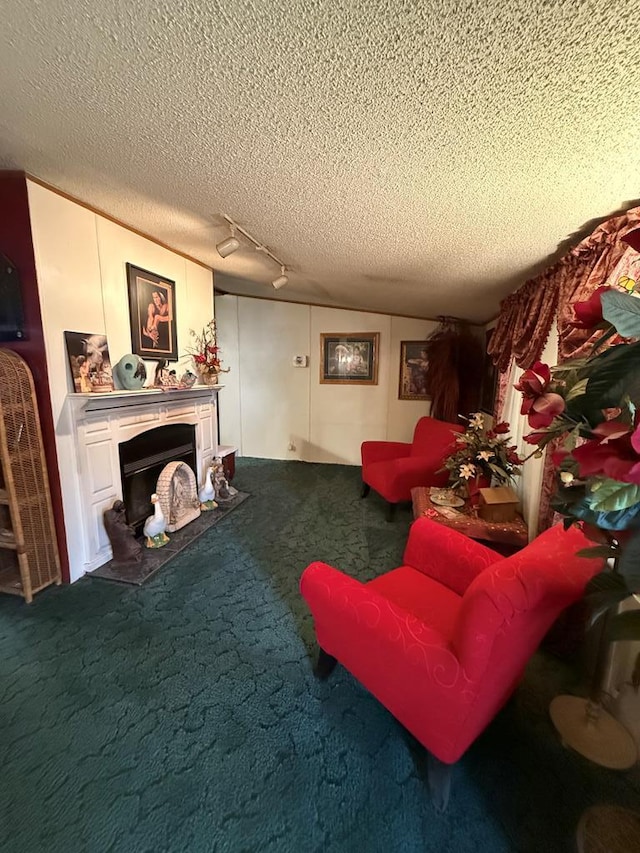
<point>413,376</point>
<point>152,313</point>
<point>349,359</point>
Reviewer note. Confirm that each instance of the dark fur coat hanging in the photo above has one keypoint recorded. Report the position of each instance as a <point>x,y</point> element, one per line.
<point>454,372</point>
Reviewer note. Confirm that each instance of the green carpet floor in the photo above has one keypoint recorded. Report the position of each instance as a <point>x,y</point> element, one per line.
<point>184,716</point>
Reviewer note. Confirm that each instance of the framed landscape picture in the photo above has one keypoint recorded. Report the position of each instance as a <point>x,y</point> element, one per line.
<point>349,359</point>
<point>88,355</point>
<point>413,366</point>
<point>152,313</point>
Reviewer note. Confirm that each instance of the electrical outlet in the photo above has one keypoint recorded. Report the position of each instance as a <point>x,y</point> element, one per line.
<point>291,446</point>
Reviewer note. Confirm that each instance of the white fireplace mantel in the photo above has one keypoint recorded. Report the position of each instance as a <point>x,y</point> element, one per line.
<point>98,423</point>
<point>125,399</point>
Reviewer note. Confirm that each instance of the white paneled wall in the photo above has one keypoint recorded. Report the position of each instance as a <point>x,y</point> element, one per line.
<point>81,262</point>
<point>274,395</point>
<point>269,406</point>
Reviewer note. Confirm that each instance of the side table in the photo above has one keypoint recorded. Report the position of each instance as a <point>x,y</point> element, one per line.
<point>506,537</point>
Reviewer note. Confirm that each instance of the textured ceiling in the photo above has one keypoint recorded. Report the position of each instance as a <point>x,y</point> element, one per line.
<point>419,158</point>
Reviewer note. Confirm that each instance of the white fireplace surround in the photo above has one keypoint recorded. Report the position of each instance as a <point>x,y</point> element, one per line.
<point>97,424</point>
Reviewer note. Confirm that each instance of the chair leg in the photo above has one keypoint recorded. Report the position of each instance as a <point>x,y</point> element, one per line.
<point>324,665</point>
<point>391,511</point>
<point>365,490</point>
<point>439,776</point>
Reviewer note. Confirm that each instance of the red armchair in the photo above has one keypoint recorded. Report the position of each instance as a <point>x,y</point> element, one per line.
<point>393,468</point>
<point>443,640</point>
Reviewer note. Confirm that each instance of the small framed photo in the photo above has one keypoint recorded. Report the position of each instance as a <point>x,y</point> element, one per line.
<point>88,355</point>
<point>413,371</point>
<point>152,313</point>
<point>349,359</point>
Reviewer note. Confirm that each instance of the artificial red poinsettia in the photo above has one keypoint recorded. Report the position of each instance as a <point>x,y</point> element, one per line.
<point>588,314</point>
<point>613,452</point>
<point>539,438</point>
<point>589,404</point>
<point>539,404</point>
<point>596,434</point>
<point>614,459</point>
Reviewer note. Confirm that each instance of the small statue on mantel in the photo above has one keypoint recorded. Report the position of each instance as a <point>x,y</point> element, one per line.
<point>161,376</point>
<point>188,379</point>
<point>207,493</point>
<point>126,548</point>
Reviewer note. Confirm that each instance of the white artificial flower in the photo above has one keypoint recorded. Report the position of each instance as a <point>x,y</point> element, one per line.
<point>467,471</point>
<point>566,477</point>
<point>476,420</point>
<point>485,455</point>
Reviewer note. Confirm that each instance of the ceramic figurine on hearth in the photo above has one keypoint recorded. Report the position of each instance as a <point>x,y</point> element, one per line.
<point>217,475</point>
<point>207,493</point>
<point>224,491</point>
<point>155,525</point>
<point>126,548</point>
<point>220,483</point>
<point>231,492</point>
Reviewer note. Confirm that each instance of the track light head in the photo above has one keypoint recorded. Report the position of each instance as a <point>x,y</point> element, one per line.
<point>281,280</point>
<point>228,246</point>
<point>231,244</point>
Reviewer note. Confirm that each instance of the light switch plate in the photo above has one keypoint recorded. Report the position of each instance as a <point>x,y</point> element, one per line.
<point>300,360</point>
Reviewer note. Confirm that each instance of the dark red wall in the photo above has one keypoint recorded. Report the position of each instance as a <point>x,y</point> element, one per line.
<point>16,243</point>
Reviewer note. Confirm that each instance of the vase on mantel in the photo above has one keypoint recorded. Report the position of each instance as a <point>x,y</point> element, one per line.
<point>207,377</point>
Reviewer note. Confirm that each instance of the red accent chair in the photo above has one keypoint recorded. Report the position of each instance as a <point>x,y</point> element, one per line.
<point>393,468</point>
<point>443,640</point>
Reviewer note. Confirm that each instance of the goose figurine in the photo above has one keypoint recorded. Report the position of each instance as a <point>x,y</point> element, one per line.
<point>207,493</point>
<point>154,526</point>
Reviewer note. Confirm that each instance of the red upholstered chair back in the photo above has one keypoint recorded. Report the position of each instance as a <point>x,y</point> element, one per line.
<point>434,438</point>
<point>506,611</point>
<point>509,606</point>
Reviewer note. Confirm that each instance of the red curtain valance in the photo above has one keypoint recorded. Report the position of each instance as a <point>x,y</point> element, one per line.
<point>526,316</point>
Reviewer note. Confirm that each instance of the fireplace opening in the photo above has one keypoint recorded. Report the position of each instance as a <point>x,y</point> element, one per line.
<point>143,457</point>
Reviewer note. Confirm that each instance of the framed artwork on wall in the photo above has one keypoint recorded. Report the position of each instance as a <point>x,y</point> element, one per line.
<point>88,355</point>
<point>413,366</point>
<point>489,379</point>
<point>349,359</point>
<point>152,313</point>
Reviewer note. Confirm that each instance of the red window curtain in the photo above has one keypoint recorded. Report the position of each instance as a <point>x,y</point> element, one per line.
<point>524,322</point>
<point>526,316</point>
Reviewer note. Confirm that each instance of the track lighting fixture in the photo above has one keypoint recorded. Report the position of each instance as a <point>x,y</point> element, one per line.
<point>228,246</point>
<point>231,244</point>
<point>281,280</point>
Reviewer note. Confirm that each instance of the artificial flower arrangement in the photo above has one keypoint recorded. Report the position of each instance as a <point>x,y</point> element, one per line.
<point>589,406</point>
<point>205,351</point>
<point>482,456</point>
